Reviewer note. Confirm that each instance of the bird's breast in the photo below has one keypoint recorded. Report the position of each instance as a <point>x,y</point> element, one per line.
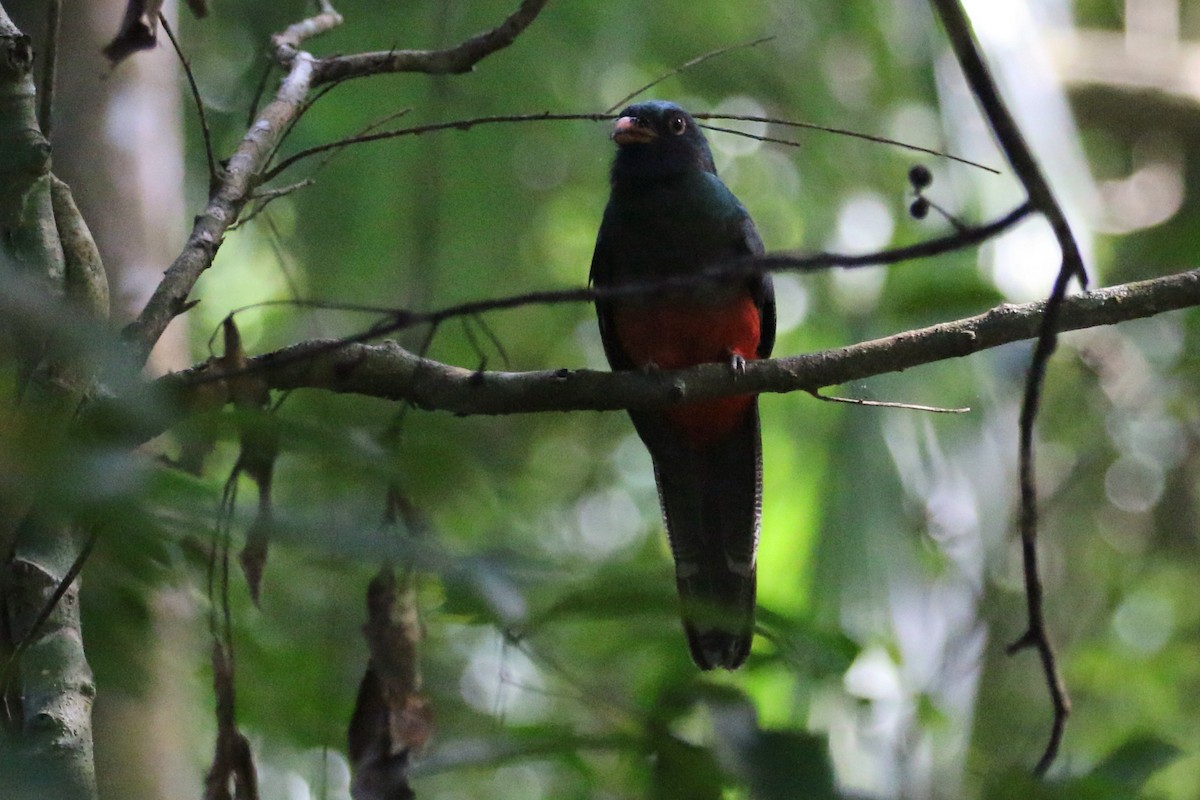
<point>679,331</point>
<point>676,227</point>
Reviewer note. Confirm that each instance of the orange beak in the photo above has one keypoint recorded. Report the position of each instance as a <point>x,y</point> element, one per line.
<point>631,130</point>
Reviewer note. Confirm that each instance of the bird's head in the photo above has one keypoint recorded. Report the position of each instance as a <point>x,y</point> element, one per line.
<point>658,139</point>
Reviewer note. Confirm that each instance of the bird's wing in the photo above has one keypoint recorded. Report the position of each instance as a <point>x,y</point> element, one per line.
<point>601,277</point>
<point>762,288</point>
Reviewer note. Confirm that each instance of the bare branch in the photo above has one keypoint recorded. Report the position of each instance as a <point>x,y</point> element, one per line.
<point>1020,157</point>
<point>263,197</point>
<point>243,172</point>
<point>1015,148</point>
<point>287,44</point>
<point>389,371</point>
<point>963,237</point>
<point>191,78</point>
<point>417,130</point>
<point>453,60</point>
<point>402,319</point>
<point>687,65</point>
<point>858,401</point>
<point>828,129</point>
<point>1036,635</point>
<point>238,180</point>
<point>546,116</point>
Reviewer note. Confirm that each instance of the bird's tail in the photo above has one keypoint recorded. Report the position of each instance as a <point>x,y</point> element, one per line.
<point>711,501</point>
<point>718,615</point>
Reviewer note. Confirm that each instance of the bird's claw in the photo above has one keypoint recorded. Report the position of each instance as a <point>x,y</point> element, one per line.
<point>737,364</point>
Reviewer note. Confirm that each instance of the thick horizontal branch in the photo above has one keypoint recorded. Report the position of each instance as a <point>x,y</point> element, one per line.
<point>452,60</point>
<point>389,371</point>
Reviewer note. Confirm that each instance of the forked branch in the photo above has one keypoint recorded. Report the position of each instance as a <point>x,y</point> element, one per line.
<point>1041,198</point>
<point>243,172</point>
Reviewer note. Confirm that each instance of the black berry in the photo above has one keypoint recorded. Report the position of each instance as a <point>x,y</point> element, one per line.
<point>920,176</point>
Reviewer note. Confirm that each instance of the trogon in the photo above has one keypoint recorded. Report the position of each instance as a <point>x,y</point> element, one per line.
<point>670,220</point>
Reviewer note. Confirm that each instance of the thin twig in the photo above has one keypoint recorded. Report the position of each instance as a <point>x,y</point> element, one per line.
<point>221,540</point>
<point>828,129</point>
<point>287,45</point>
<point>367,130</point>
<point>546,116</point>
<point>468,329</point>
<point>49,68</point>
<point>281,258</point>
<point>685,66</point>
<point>259,89</point>
<point>858,401</point>
<point>398,319</point>
<point>494,339</point>
<point>305,107</point>
<point>1020,157</point>
<point>275,239</point>
<point>954,221</point>
<point>456,125</point>
<point>263,197</point>
<point>1012,142</point>
<point>280,191</point>
<point>187,69</point>
<point>1036,635</point>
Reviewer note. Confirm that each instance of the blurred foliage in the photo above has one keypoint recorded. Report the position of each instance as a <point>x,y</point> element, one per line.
<point>889,580</point>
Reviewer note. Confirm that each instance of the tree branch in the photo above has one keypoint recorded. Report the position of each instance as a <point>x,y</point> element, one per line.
<point>238,180</point>
<point>244,170</point>
<point>389,371</point>
<point>402,319</point>
<point>287,44</point>
<point>1008,134</point>
<point>418,130</point>
<point>453,60</point>
<point>1020,157</point>
<point>46,686</point>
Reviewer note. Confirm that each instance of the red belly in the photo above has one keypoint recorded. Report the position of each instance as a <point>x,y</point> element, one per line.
<point>674,334</point>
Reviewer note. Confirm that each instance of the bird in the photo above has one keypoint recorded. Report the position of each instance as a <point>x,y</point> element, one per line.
<point>670,219</point>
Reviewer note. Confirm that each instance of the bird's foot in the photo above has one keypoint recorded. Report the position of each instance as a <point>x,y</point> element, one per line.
<point>737,363</point>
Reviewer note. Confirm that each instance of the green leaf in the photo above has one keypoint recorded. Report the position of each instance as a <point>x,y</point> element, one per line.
<point>788,764</point>
<point>683,770</point>
<point>1133,762</point>
<point>773,764</point>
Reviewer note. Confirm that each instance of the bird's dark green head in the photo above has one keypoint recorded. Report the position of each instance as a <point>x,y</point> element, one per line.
<point>657,139</point>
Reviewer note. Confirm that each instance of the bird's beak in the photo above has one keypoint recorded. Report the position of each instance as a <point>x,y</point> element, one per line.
<point>631,130</point>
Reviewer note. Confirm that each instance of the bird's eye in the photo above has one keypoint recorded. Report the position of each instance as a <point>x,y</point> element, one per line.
<point>677,125</point>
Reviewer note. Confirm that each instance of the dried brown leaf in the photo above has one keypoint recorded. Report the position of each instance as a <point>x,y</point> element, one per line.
<point>139,30</point>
